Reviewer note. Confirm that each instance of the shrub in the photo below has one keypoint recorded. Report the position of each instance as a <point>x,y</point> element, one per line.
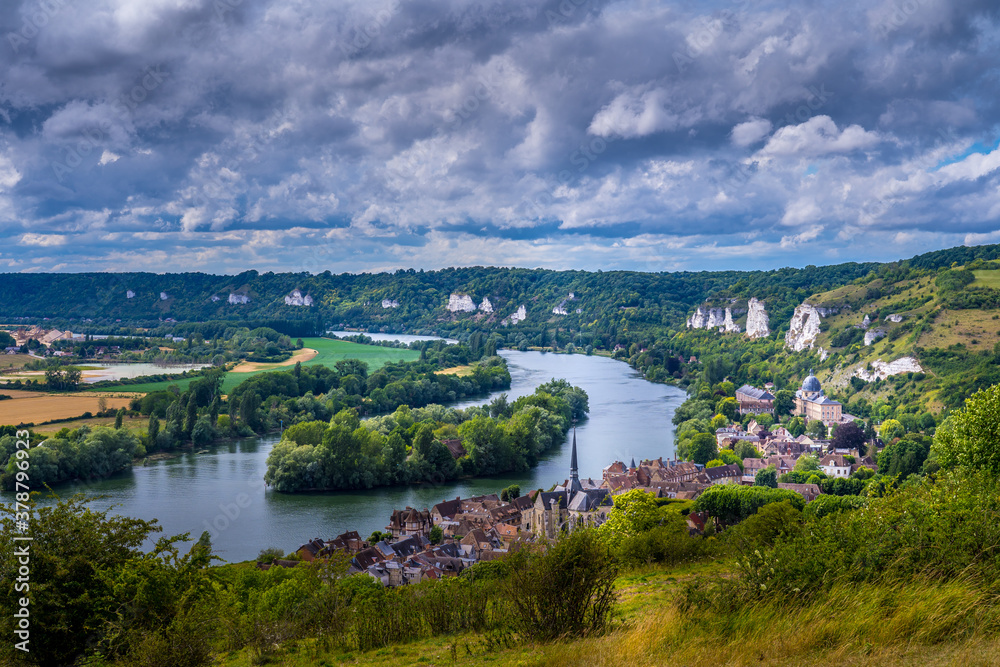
<point>566,591</point>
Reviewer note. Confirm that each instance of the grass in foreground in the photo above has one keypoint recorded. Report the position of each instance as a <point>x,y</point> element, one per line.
<point>918,623</point>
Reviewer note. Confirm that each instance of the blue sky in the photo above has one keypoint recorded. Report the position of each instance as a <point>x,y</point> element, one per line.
<point>303,135</point>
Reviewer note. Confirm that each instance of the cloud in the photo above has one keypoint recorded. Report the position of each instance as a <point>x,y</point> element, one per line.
<point>43,240</point>
<point>750,132</point>
<point>526,132</point>
<point>818,136</point>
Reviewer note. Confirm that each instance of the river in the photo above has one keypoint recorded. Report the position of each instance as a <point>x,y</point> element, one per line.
<point>222,491</point>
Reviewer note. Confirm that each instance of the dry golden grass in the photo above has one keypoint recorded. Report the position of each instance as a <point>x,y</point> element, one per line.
<point>39,408</point>
<point>303,355</point>
<point>972,325</point>
<point>131,423</point>
<point>460,371</point>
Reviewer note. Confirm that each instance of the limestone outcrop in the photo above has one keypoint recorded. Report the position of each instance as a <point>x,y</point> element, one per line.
<point>804,327</point>
<point>757,322</point>
<point>873,335</point>
<point>486,306</point>
<point>390,303</point>
<point>296,298</point>
<point>461,303</point>
<point>881,370</point>
<point>236,299</point>
<point>519,316</point>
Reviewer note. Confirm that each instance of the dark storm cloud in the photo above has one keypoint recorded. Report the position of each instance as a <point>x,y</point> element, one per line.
<point>306,135</point>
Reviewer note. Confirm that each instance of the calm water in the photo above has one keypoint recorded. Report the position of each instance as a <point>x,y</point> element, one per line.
<point>121,371</point>
<point>222,491</point>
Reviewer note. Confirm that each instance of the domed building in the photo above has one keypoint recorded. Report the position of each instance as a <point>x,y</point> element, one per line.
<point>812,405</point>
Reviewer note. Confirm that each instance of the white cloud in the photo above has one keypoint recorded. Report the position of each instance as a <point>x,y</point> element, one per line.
<point>107,157</point>
<point>818,136</point>
<point>44,240</point>
<point>750,132</point>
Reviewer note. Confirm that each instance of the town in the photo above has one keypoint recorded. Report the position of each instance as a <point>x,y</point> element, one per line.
<point>428,544</point>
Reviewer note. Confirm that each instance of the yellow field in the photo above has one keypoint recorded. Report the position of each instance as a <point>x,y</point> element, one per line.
<point>131,423</point>
<point>303,355</point>
<point>37,407</point>
<point>460,371</point>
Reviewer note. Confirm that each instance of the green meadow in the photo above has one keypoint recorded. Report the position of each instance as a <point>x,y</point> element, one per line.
<point>329,353</point>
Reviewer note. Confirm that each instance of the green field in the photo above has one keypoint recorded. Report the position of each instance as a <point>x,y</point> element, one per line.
<point>330,352</point>
<point>987,278</point>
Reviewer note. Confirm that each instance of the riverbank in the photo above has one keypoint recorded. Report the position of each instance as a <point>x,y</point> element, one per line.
<point>629,417</point>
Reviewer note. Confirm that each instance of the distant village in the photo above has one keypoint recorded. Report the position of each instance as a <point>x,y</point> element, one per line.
<point>422,544</point>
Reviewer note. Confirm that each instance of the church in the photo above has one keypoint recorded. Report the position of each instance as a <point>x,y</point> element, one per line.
<point>812,405</point>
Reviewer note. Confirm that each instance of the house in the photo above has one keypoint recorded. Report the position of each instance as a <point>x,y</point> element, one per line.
<point>679,490</point>
<point>834,465</point>
<point>808,491</point>
<point>727,474</point>
<point>754,401</point>
<point>445,511</point>
<point>455,447</point>
<point>751,467</point>
<point>409,522</point>
<point>312,550</point>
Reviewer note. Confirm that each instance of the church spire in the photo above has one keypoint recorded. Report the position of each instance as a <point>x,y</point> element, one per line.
<point>574,473</point>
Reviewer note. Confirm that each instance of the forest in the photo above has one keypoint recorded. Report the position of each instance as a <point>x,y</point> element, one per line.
<point>409,445</point>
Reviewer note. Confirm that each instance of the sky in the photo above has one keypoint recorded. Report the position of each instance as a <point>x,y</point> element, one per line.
<point>309,135</point>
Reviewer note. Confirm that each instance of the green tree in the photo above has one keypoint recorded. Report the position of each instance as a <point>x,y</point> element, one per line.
<point>745,450</point>
<point>119,418</point>
<point>971,436</point>
<point>890,430</point>
<point>153,429</point>
<point>796,426</point>
<point>436,535</point>
<point>784,402</point>
<point>634,512</point>
<point>728,407</point>
<point>77,556</point>
<point>816,429</point>
<point>807,463</point>
<point>511,493</point>
<point>766,477</point>
<point>703,448</point>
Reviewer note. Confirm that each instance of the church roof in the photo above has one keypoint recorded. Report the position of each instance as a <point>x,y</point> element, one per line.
<point>811,384</point>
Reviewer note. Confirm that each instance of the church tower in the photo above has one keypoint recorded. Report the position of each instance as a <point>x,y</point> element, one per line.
<point>574,473</point>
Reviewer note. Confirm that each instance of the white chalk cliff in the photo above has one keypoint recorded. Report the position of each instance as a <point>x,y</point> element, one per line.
<point>873,335</point>
<point>804,328</point>
<point>881,370</point>
<point>486,306</point>
<point>390,303</point>
<point>461,303</point>
<point>757,322</point>
<point>297,299</point>
<point>129,294</point>
<point>895,317</point>
<point>164,296</point>
<point>728,326</point>
<point>238,298</point>
<point>519,316</point>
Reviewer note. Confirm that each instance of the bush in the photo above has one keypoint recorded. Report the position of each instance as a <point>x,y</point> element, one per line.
<point>567,591</point>
<point>731,503</point>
